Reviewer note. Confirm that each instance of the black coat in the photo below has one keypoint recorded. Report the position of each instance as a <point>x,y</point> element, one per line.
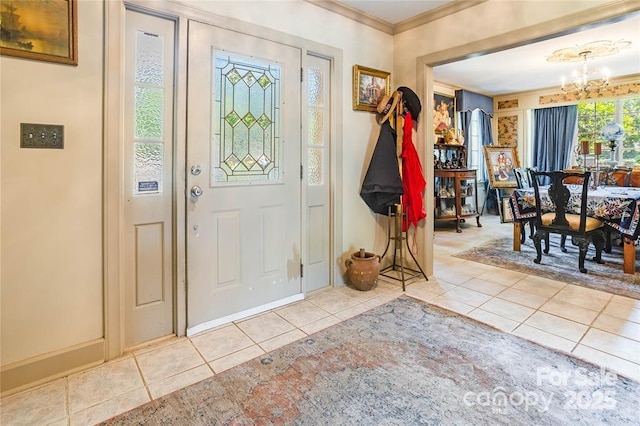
<point>382,185</point>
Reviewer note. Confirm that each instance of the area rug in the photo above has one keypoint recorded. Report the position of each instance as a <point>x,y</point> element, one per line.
<point>403,363</point>
<point>560,266</point>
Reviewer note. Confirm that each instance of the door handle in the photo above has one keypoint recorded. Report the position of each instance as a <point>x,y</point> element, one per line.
<point>196,191</point>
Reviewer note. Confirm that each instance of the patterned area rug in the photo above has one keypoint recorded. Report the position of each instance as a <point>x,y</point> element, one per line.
<point>561,266</point>
<point>403,363</point>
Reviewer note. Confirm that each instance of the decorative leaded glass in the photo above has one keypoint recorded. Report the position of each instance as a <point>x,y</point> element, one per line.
<point>148,162</point>
<point>246,120</point>
<point>149,67</point>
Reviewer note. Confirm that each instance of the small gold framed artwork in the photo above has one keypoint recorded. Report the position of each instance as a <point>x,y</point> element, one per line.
<point>369,86</point>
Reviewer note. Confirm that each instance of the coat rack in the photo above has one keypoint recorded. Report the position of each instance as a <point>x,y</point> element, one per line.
<point>396,215</point>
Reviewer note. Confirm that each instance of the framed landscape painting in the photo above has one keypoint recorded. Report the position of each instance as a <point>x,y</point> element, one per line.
<point>500,161</point>
<point>41,30</point>
<point>369,86</point>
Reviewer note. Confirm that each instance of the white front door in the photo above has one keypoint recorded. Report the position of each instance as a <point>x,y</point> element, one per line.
<point>243,178</point>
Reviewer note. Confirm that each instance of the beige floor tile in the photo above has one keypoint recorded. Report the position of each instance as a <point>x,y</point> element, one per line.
<point>282,340</point>
<point>625,301</point>
<point>470,297</point>
<point>265,326</point>
<point>497,321</point>
<point>565,328</point>
<point>624,310</point>
<point>302,313</point>
<point>628,329</point>
<point>544,338</point>
<point>584,297</point>
<point>613,344</point>
<point>103,383</point>
<point>221,364</point>
<point>522,298</point>
<point>569,311</point>
<point>221,342</point>
<point>609,362</point>
<point>381,299</point>
<point>179,381</point>
<point>106,410</point>
<point>39,406</point>
<point>452,305</point>
<point>506,309</point>
<point>487,287</point>
<point>505,277</point>
<point>455,276</point>
<point>316,326</point>
<point>353,311</point>
<point>540,286</point>
<point>332,301</point>
<point>168,361</point>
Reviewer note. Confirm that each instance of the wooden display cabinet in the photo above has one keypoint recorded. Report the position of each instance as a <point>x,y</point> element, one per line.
<point>456,195</point>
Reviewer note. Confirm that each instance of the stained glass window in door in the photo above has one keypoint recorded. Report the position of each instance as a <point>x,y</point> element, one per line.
<point>245,120</point>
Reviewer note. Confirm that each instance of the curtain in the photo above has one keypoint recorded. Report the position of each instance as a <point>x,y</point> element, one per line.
<point>484,122</point>
<point>465,125</point>
<point>553,133</point>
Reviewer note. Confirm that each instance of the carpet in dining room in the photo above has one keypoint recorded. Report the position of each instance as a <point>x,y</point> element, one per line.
<point>403,363</point>
<point>560,266</point>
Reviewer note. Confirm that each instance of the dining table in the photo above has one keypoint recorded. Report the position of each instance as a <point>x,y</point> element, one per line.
<point>617,206</point>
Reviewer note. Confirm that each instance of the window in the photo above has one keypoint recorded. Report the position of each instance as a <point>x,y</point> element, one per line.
<point>593,116</point>
<point>475,156</point>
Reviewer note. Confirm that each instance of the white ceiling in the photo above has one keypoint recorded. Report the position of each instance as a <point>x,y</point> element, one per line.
<point>523,68</point>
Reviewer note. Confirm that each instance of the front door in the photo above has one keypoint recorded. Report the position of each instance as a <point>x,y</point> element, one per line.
<point>243,175</point>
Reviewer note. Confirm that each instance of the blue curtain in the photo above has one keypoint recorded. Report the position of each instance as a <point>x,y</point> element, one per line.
<point>553,132</point>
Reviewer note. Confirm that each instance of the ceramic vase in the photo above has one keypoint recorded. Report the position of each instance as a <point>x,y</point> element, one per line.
<point>363,269</point>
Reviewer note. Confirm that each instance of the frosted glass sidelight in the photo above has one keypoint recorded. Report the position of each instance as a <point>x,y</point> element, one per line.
<point>315,166</point>
<point>245,120</point>
<point>148,165</point>
<point>315,87</point>
<point>149,66</point>
<point>149,118</point>
<point>316,128</point>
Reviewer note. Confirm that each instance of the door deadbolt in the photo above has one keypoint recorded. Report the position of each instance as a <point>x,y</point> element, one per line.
<point>196,169</point>
<point>196,191</point>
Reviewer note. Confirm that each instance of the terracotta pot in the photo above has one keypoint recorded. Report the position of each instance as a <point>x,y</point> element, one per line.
<point>363,269</point>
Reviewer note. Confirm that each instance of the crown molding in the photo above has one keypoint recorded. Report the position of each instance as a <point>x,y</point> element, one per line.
<point>392,29</point>
<point>354,14</point>
<point>435,14</point>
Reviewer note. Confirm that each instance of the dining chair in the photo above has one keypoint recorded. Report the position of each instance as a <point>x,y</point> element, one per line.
<point>614,176</point>
<point>558,217</point>
<point>523,181</point>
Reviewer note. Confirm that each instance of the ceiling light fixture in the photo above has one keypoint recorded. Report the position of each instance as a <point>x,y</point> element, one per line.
<point>587,79</point>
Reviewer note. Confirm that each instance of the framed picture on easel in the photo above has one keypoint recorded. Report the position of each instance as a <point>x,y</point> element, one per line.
<point>500,162</point>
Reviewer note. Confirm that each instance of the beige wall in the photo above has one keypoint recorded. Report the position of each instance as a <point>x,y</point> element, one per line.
<point>52,200</point>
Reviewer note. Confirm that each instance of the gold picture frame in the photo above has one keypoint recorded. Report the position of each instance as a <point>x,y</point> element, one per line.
<point>369,86</point>
<point>44,31</point>
<point>500,162</point>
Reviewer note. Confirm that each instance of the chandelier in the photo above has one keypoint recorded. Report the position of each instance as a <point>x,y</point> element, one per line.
<point>587,79</point>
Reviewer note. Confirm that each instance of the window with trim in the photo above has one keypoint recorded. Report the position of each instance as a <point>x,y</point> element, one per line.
<point>593,116</point>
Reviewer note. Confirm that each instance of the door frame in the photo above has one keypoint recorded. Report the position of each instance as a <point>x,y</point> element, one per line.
<point>113,216</point>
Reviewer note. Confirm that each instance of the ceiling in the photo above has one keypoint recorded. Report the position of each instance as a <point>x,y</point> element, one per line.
<point>523,68</point>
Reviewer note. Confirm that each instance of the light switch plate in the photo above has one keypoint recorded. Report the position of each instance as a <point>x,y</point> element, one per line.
<point>41,136</point>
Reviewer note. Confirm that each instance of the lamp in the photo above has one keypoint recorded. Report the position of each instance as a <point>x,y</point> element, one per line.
<point>584,80</point>
<point>613,133</point>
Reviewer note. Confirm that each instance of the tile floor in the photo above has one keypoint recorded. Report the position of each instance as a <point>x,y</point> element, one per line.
<point>594,325</point>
